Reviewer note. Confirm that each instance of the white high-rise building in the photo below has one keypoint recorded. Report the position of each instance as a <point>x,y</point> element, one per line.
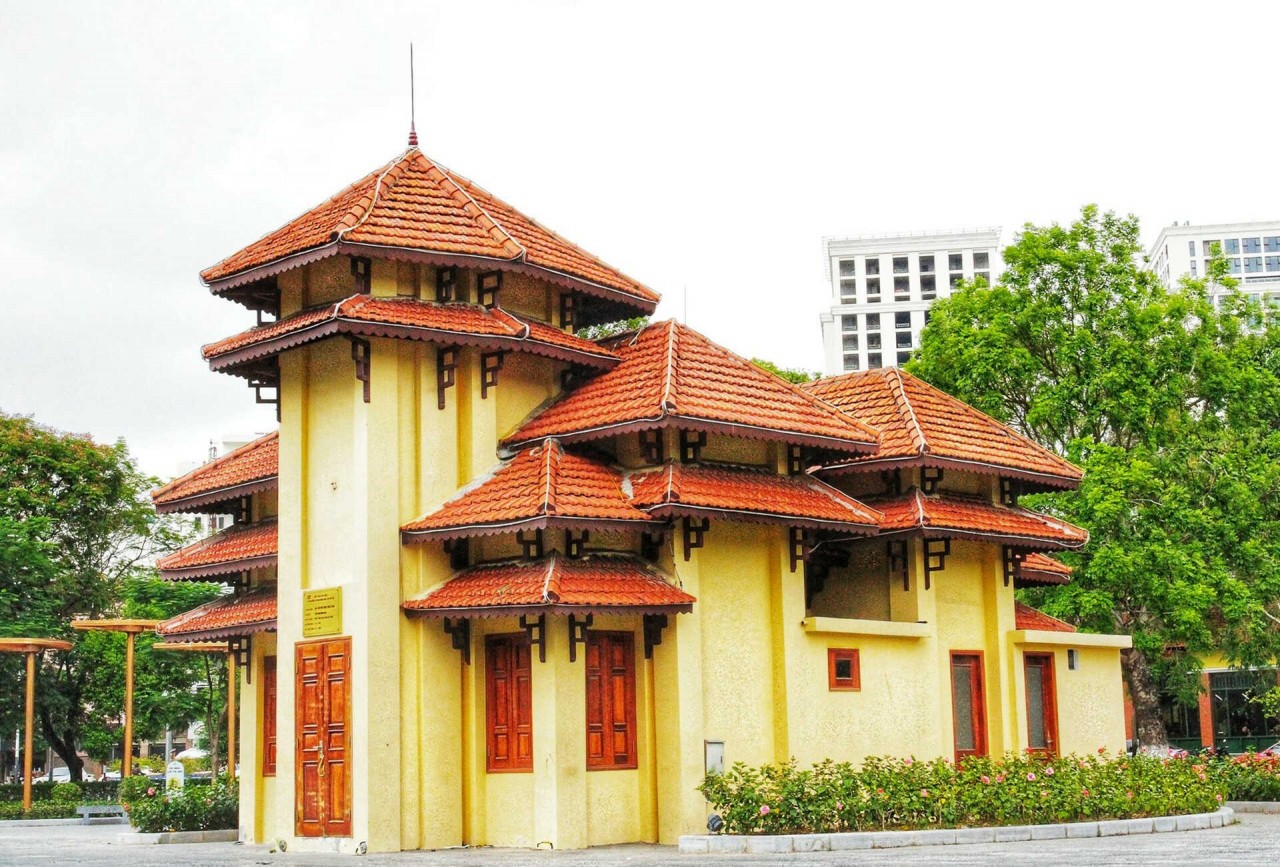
<point>882,287</point>
<point>1252,251</point>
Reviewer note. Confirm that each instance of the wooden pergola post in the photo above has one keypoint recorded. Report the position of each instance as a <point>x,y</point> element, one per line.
<point>130,628</point>
<point>215,647</point>
<point>30,647</point>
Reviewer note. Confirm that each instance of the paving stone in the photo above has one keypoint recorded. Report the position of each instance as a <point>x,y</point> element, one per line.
<point>938,837</point>
<point>1114,828</point>
<point>727,844</point>
<point>1048,832</point>
<point>1164,824</point>
<point>811,843</point>
<point>851,840</point>
<point>976,835</point>
<point>1013,833</point>
<point>1195,822</point>
<point>894,839</point>
<point>1139,826</point>
<point>771,844</point>
<point>694,844</point>
<point>1216,820</point>
<point>1081,830</point>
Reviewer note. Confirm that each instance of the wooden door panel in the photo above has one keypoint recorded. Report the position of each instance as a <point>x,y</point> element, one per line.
<point>323,785</point>
<point>1042,708</point>
<point>968,705</point>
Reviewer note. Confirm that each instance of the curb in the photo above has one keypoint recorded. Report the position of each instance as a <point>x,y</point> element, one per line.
<point>36,823</point>
<point>231,835</point>
<point>1255,806</point>
<point>729,844</point>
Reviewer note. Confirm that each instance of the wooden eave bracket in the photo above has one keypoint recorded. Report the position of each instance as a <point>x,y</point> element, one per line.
<point>488,285</point>
<point>694,532</point>
<point>898,560</point>
<point>652,448</point>
<point>930,479</point>
<point>459,632</point>
<point>459,551</point>
<point>447,284</point>
<point>360,354</point>
<point>1013,558</point>
<point>575,545</point>
<point>240,648</point>
<point>653,626</point>
<point>490,364</point>
<point>799,542</point>
<point>535,629</point>
<point>578,633</point>
<point>1010,490</point>
<point>446,372</point>
<point>691,445</point>
<point>892,480</point>
<point>936,552</point>
<point>795,460</point>
<point>531,545</point>
<point>651,546</point>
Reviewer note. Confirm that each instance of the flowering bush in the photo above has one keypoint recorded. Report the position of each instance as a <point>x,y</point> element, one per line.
<point>195,808</point>
<point>1250,777</point>
<point>888,794</point>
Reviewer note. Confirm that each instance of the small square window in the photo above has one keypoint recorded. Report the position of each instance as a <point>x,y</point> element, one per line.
<point>873,288</point>
<point>1272,244</point>
<point>926,264</point>
<point>903,319</point>
<point>1193,267</point>
<point>873,321</point>
<point>899,264</point>
<point>981,261</point>
<point>904,339</point>
<point>1252,264</point>
<point>1231,245</point>
<point>851,362</point>
<point>851,343</point>
<point>873,361</point>
<point>848,290</point>
<point>955,261</point>
<point>955,280</point>
<point>901,288</point>
<point>849,324</point>
<point>873,340</point>
<point>1073,658</point>
<point>1207,247</point>
<point>873,267</point>
<point>843,670</point>
<point>903,358</point>
<point>1252,245</point>
<point>1235,266</point>
<point>928,286</point>
<point>848,267</point>
<point>984,276</point>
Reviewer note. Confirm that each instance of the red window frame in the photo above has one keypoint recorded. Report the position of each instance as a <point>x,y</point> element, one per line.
<point>268,716</point>
<point>611,701</point>
<point>508,703</point>
<point>843,684</point>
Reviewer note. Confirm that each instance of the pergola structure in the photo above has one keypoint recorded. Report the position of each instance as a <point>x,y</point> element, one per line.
<point>31,647</point>
<point>215,647</point>
<point>130,628</point>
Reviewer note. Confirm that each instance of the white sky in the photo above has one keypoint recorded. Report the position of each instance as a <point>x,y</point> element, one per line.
<point>699,145</point>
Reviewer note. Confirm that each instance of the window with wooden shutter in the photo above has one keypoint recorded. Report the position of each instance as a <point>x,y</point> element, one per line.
<point>611,701</point>
<point>508,703</point>
<point>269,716</point>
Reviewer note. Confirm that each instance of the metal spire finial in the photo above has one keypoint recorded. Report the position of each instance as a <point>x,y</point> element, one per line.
<point>413,132</point>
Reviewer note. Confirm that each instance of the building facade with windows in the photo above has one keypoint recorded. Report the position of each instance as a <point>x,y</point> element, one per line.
<point>882,288</point>
<point>1252,251</point>
<point>504,585</point>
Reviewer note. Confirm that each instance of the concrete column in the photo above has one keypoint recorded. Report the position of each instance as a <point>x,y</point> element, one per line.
<point>559,741</point>
<point>678,674</point>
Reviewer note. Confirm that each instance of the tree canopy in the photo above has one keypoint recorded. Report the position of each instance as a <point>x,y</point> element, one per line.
<point>78,536</point>
<point>1170,402</point>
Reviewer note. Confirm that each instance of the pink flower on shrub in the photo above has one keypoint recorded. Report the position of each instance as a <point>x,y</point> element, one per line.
<point>985,779</point>
<point>1083,763</point>
<point>151,791</point>
<point>924,793</point>
<point>879,791</point>
<point>1085,792</point>
<point>1219,798</point>
<point>1049,770</point>
<point>764,809</point>
<point>908,761</point>
<point>999,778</point>
<point>1031,778</point>
<point>1129,795</point>
<point>1044,793</point>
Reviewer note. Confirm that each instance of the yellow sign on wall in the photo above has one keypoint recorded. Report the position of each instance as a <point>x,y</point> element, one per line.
<point>321,612</point>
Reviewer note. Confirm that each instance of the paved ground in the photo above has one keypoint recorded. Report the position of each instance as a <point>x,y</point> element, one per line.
<point>1256,840</point>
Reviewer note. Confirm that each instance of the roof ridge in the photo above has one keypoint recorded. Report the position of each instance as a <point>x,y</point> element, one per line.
<point>494,224</point>
<point>350,218</point>
<point>552,488</point>
<point>900,397</point>
<point>549,595</point>
<point>667,401</point>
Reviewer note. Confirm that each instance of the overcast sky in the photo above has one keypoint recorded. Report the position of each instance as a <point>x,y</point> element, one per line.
<point>699,146</point>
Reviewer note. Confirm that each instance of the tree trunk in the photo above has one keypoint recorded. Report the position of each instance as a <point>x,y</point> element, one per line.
<point>64,747</point>
<point>1148,723</point>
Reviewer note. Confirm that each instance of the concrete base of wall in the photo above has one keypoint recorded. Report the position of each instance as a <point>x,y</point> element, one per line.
<point>135,838</point>
<point>717,844</point>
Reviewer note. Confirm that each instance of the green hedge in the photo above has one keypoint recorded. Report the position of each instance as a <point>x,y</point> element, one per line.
<point>195,808</point>
<point>1250,777</point>
<point>42,810</point>
<point>891,794</point>
<point>96,790</point>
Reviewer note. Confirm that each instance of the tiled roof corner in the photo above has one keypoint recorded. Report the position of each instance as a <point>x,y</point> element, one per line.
<point>1040,568</point>
<point>671,375</point>
<point>1026,617</point>
<point>941,516</point>
<point>248,469</point>
<point>238,548</point>
<point>920,424</point>
<point>226,617</point>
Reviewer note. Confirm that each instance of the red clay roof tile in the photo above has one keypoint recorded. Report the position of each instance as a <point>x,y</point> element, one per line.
<point>541,487</point>
<point>225,617</point>
<point>920,424</point>
<point>248,469</point>
<point>750,494</point>
<point>965,517</point>
<point>1040,568</point>
<point>411,318</point>
<point>415,204</point>
<point>671,375</point>
<point>597,582</point>
<point>1026,617</point>
<point>236,549</point>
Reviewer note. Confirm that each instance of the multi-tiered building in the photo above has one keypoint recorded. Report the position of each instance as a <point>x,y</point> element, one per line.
<point>530,587</point>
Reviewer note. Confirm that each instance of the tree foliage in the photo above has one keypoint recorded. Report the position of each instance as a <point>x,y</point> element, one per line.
<point>77,533</point>
<point>1171,404</point>
<point>793,375</point>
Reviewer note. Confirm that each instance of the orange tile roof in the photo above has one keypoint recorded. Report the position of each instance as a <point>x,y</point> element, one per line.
<point>540,488</point>
<point>672,376</point>
<point>411,318</point>
<point>555,584</point>
<point>750,494</point>
<point>412,206</point>
<point>236,549</point>
<point>248,469</point>
<point>975,518</point>
<point>1026,617</point>
<point>225,617</point>
<point>921,425</point>
<point>1040,568</point>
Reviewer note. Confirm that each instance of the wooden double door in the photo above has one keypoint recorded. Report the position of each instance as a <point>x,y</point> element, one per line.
<point>322,796</point>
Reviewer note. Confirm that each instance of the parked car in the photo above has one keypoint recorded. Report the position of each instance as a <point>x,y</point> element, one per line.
<point>60,775</point>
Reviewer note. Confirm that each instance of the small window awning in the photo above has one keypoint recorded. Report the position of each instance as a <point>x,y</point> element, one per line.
<point>236,549</point>
<point>227,617</point>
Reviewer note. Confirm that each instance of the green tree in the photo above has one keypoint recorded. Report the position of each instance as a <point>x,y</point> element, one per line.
<point>1170,405</point>
<point>86,525</point>
<point>790,374</point>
